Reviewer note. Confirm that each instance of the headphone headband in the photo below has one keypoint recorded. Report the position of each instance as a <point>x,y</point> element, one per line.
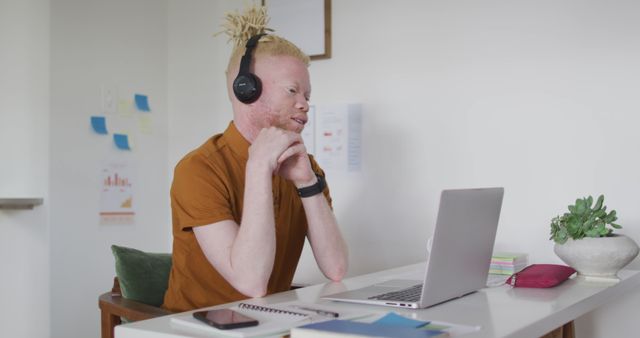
<point>247,87</point>
<point>245,63</point>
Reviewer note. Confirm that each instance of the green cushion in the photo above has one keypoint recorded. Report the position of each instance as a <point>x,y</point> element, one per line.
<point>143,276</point>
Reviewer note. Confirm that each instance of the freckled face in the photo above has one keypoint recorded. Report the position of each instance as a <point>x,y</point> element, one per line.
<point>286,89</point>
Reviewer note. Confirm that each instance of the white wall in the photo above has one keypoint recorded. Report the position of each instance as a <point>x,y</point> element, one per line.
<point>197,95</point>
<point>24,164</point>
<point>539,97</point>
<point>124,44</point>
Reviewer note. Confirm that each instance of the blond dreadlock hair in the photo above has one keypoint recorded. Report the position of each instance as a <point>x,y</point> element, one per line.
<point>240,27</point>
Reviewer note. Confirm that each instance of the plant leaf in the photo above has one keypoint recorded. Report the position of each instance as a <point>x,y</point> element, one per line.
<point>592,233</point>
<point>600,213</point>
<point>573,226</point>
<point>588,223</point>
<point>581,206</point>
<point>610,217</point>
<point>599,202</point>
<point>561,236</point>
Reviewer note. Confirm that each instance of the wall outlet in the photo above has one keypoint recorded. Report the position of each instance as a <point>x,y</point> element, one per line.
<point>109,99</point>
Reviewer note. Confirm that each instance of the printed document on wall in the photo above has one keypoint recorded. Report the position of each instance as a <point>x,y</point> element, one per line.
<point>116,198</point>
<point>338,130</point>
<point>309,132</point>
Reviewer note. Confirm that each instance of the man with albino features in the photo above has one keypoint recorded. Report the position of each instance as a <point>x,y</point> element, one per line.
<point>244,202</point>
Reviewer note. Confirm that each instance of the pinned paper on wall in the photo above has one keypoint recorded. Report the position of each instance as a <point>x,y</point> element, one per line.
<point>125,107</point>
<point>99,124</point>
<point>116,198</point>
<point>132,116</point>
<point>145,124</point>
<point>354,138</point>
<point>338,137</point>
<point>309,131</point>
<point>142,102</point>
<point>122,141</point>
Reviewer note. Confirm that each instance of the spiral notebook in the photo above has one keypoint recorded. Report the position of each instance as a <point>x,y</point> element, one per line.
<point>273,319</point>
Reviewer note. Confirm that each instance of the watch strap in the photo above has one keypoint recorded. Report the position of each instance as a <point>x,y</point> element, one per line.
<point>314,189</point>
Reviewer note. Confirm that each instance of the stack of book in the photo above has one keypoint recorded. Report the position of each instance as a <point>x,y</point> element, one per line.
<point>507,263</point>
<point>391,325</point>
<point>350,329</point>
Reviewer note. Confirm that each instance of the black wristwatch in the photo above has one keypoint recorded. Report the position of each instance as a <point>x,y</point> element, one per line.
<point>312,190</point>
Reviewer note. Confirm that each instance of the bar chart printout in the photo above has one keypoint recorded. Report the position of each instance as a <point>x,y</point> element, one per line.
<point>116,198</point>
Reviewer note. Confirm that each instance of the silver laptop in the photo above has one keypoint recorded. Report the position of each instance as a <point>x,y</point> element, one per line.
<point>460,256</point>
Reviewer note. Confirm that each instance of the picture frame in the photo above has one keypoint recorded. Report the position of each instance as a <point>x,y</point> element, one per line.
<point>306,23</point>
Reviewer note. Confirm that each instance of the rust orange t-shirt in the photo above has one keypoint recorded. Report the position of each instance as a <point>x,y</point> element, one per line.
<point>208,187</point>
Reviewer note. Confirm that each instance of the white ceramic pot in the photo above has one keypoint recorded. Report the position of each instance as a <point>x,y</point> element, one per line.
<point>599,257</point>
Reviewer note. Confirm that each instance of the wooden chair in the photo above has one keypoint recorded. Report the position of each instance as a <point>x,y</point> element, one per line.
<point>138,289</point>
<point>114,307</point>
<point>144,278</point>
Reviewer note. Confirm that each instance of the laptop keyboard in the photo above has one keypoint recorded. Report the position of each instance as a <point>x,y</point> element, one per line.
<point>410,294</point>
<point>413,293</point>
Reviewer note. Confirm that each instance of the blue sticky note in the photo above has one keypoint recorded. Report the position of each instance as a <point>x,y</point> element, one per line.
<point>121,141</point>
<point>142,102</point>
<point>395,319</point>
<point>99,124</point>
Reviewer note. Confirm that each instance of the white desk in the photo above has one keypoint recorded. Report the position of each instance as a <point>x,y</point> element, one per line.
<point>501,311</point>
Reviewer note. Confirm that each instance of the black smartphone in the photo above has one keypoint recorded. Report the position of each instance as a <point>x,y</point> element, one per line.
<point>225,319</point>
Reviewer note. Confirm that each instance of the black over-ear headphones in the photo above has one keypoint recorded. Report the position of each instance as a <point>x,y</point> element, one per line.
<point>247,86</point>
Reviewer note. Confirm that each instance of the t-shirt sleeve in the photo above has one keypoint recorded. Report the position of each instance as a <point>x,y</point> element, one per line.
<point>199,194</point>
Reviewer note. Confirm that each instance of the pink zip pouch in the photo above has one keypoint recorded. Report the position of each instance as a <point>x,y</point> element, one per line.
<point>541,276</point>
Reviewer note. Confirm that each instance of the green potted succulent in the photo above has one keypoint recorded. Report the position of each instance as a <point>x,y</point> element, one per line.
<point>584,220</point>
<point>584,239</point>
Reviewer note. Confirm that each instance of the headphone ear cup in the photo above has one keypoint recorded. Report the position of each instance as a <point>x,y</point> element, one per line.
<point>247,87</point>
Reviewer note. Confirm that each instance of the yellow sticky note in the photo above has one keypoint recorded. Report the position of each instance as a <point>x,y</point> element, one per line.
<point>125,108</point>
<point>145,124</point>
